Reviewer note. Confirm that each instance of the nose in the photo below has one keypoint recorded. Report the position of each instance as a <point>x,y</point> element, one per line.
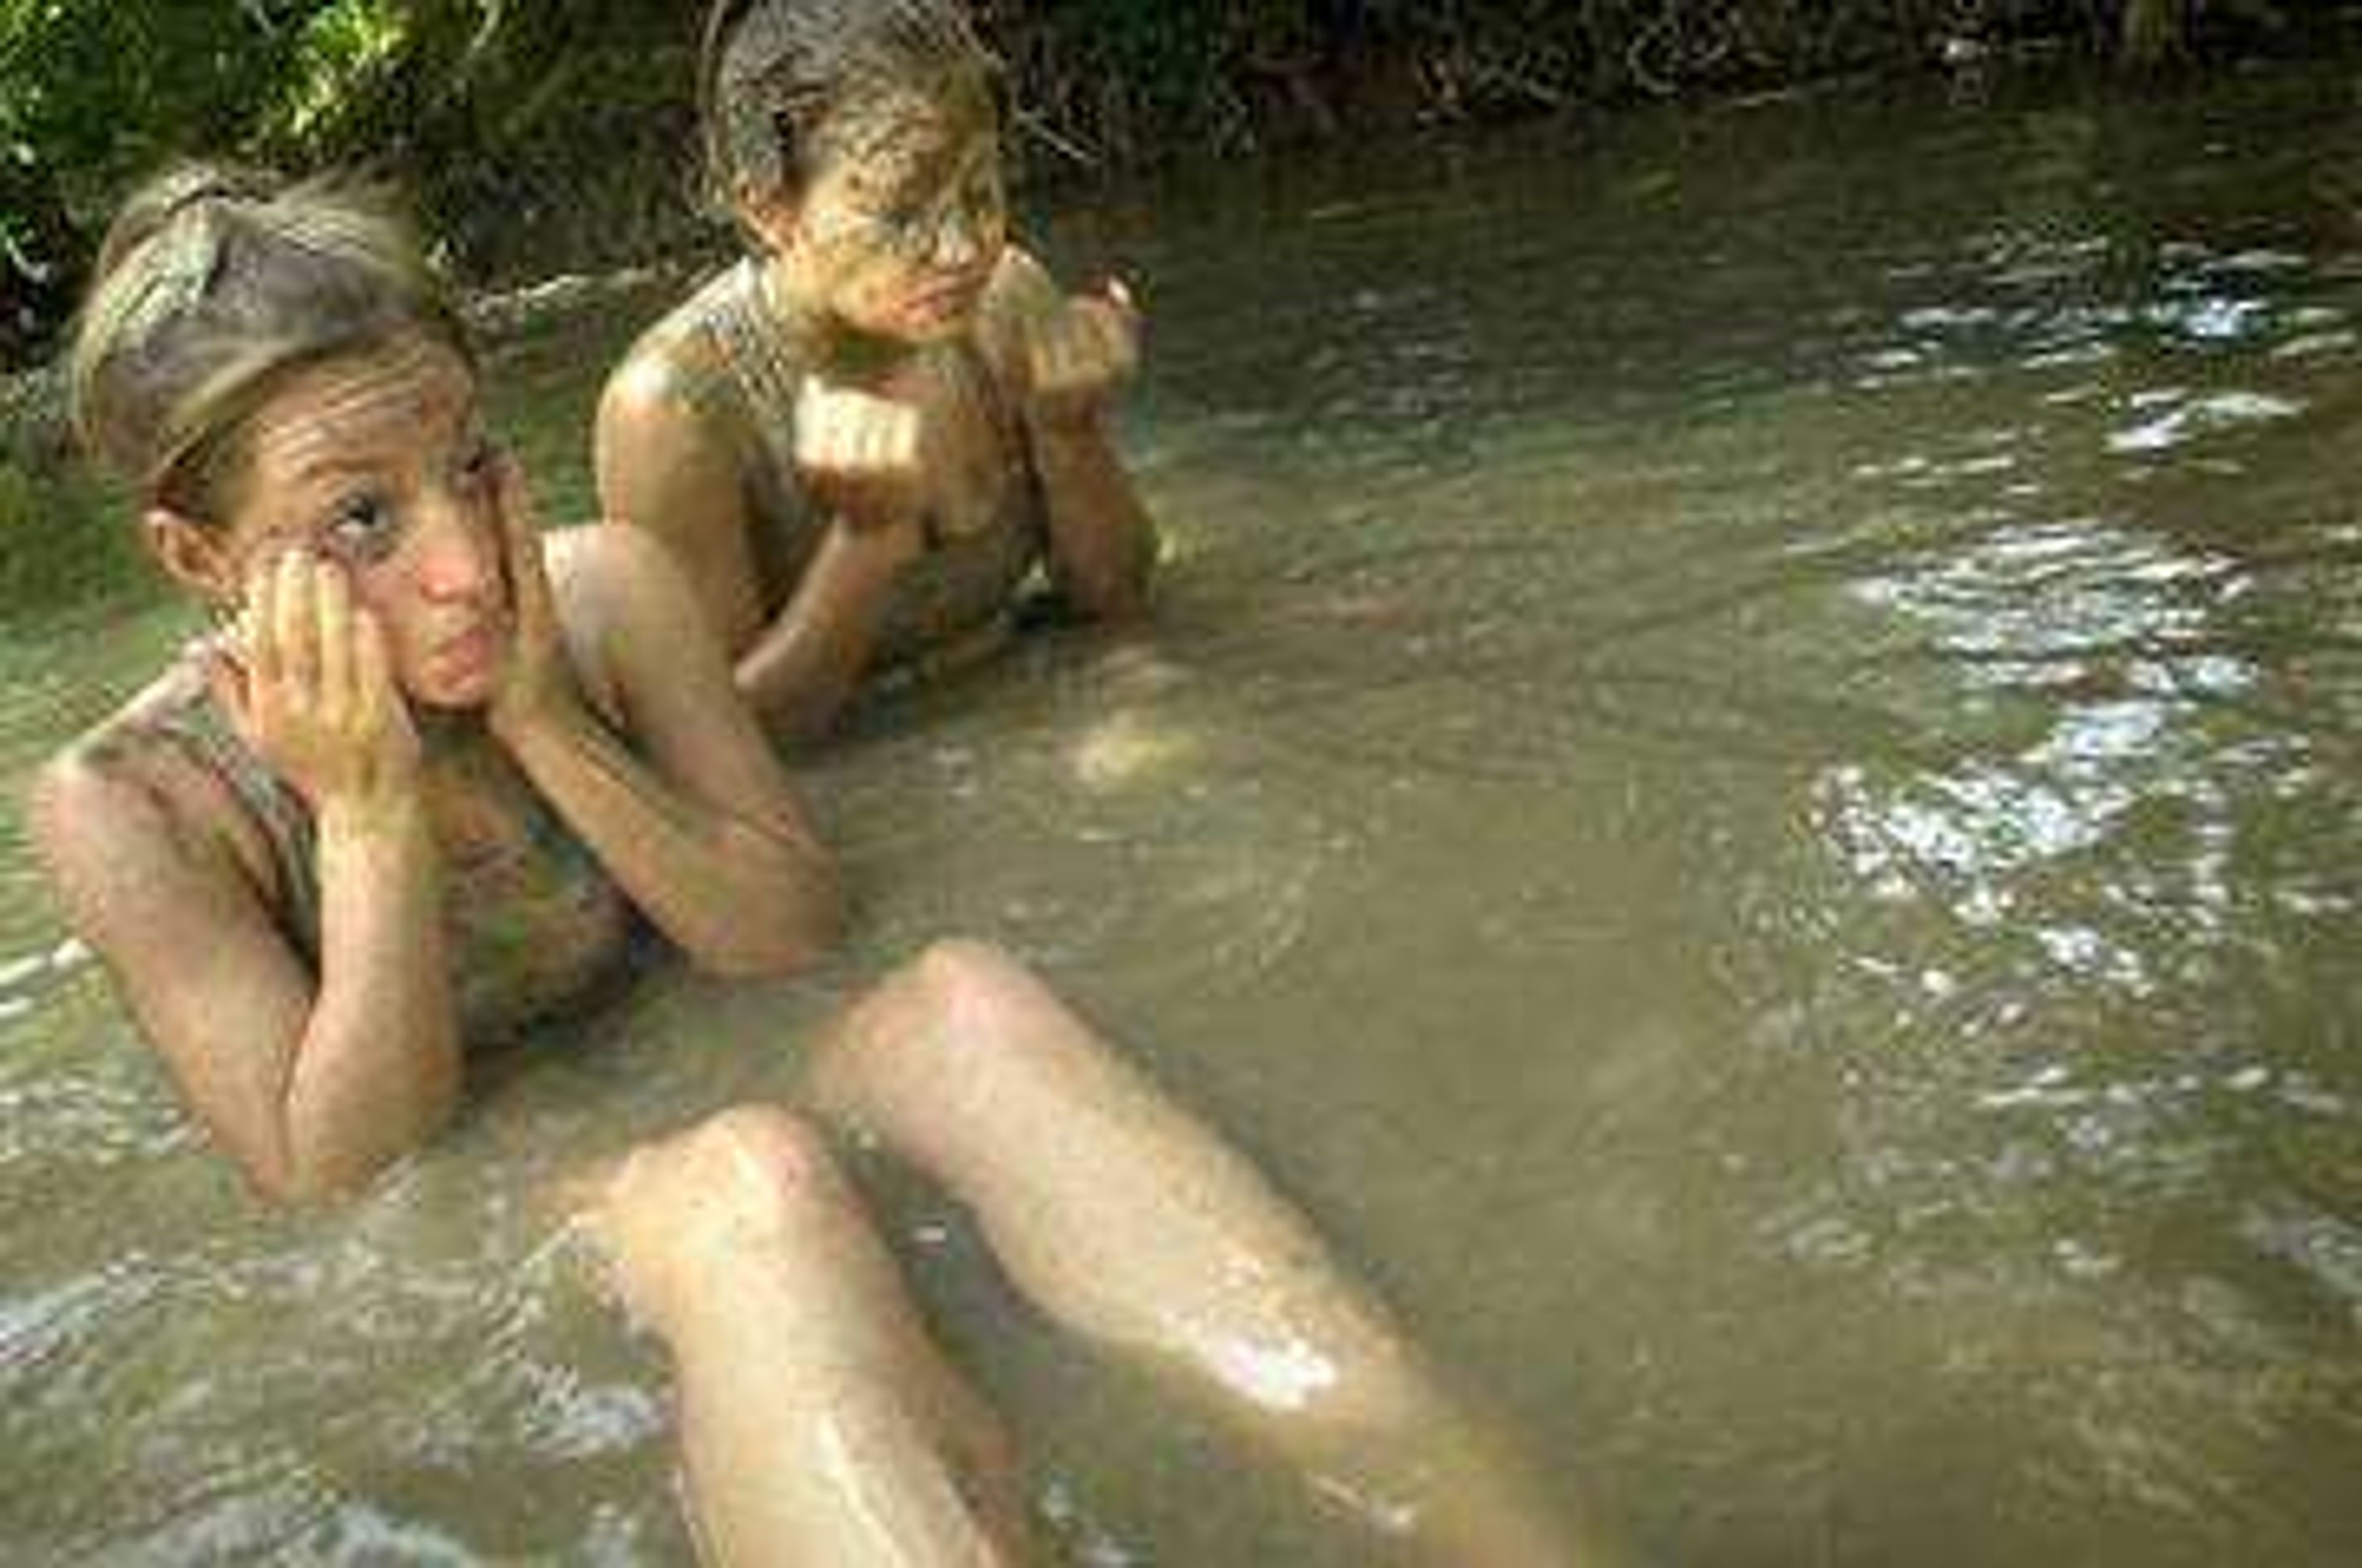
<point>958,238</point>
<point>457,559</point>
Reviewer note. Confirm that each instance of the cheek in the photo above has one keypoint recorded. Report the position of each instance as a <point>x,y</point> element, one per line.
<point>385,596</point>
<point>869,276</point>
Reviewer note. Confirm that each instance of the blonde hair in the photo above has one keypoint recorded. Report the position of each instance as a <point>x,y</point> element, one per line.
<point>214,283</point>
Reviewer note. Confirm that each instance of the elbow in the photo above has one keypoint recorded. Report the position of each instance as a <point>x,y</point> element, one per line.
<point>292,1186</point>
<point>804,932</point>
<point>299,1183</point>
<point>1118,594</point>
<point>323,1169</point>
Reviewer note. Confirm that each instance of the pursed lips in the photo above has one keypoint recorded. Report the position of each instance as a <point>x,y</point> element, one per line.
<point>469,650</point>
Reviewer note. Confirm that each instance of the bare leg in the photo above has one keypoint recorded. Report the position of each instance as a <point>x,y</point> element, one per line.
<point>818,1424</point>
<point>1128,1221</point>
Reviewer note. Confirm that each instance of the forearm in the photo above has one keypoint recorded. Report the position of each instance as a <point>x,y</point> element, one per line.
<point>1102,541</point>
<point>377,1067</point>
<point>741,897</point>
<point>803,668</point>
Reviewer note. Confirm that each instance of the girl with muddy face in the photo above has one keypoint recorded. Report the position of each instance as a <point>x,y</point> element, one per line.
<point>857,143</point>
<point>863,440</point>
<point>431,767</point>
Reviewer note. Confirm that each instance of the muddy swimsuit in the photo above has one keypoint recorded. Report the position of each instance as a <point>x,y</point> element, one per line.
<point>744,364</point>
<point>532,922</point>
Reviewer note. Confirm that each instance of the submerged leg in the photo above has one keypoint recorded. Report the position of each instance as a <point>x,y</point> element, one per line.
<point>1129,1221</point>
<point>818,1423</point>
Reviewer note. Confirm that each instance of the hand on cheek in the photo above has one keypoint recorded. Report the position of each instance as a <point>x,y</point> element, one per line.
<point>535,684</point>
<point>308,681</point>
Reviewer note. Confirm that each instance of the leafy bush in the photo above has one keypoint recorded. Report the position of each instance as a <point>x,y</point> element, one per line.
<point>539,135</point>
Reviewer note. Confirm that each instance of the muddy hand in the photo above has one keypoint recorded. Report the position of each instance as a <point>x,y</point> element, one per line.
<point>1080,355</point>
<point>858,454</point>
<point>306,679</point>
<point>536,683</point>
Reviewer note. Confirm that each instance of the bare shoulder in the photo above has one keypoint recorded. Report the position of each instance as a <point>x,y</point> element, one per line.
<point>658,432</point>
<point>82,801</point>
<point>651,400</point>
<point>608,570</point>
<point>109,809</point>
<point>620,597</point>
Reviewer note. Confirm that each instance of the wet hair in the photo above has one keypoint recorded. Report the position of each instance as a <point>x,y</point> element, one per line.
<point>215,284</point>
<point>774,72</point>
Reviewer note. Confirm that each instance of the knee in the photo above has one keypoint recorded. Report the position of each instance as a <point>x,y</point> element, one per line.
<point>960,1016</point>
<point>966,984</point>
<point>767,1138</point>
<point>749,1170</point>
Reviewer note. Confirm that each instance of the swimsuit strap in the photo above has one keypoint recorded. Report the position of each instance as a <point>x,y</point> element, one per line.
<point>201,728</point>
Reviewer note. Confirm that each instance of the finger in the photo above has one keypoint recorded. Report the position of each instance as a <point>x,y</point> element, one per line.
<point>813,441</point>
<point>1114,326</point>
<point>1118,294</point>
<point>336,610</point>
<point>292,623</point>
<point>1053,354</point>
<point>898,438</point>
<point>813,421</point>
<point>1095,341</point>
<point>1119,338</point>
<point>833,437</point>
<point>521,548</point>
<point>373,691</point>
<point>258,623</point>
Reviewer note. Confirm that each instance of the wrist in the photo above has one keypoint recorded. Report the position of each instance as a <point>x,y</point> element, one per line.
<point>389,812</point>
<point>880,547</point>
<point>1066,420</point>
<point>523,727</point>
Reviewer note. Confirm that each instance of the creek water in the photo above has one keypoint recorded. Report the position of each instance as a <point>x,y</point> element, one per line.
<point>1746,785</point>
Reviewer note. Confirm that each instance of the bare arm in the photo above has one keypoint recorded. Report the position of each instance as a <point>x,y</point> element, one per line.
<point>310,1083</point>
<point>661,469</point>
<point>693,818</point>
<point>1071,358</point>
<point>802,668</point>
<point>1102,542</point>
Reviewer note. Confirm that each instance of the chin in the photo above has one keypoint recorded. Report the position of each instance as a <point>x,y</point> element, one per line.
<point>918,330</point>
<point>449,696</point>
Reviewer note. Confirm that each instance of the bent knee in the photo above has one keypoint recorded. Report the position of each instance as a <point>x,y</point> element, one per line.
<point>955,973</point>
<point>759,1166</point>
<point>940,1034</point>
<point>965,1006</point>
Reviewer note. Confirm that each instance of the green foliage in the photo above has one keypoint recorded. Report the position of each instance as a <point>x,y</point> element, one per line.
<point>93,92</point>
<point>538,135</point>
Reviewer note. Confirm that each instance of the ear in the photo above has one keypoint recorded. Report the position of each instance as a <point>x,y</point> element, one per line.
<point>191,555</point>
<point>776,216</point>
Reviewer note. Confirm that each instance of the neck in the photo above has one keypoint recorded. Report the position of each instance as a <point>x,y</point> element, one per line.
<point>446,732</point>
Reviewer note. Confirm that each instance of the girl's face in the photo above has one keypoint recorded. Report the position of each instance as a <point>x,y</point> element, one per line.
<point>902,224</point>
<point>381,463</point>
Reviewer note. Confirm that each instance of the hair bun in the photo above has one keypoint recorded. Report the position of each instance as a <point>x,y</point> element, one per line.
<point>174,194</point>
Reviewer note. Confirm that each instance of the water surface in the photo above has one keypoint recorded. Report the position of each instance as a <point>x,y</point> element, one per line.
<point>1747,787</point>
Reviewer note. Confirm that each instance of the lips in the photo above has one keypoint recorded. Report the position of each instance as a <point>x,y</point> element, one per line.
<point>466,656</point>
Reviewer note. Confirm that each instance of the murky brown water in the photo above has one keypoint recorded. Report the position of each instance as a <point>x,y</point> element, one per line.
<point>1749,787</point>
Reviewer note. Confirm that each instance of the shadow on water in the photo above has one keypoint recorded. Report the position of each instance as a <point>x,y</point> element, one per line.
<point>1745,782</point>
